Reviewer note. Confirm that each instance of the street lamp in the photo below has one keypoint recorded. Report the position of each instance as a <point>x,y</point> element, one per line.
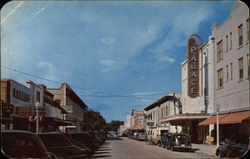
<point>217,124</point>
<point>37,116</point>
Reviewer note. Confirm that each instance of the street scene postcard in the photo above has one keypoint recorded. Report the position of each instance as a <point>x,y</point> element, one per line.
<point>158,79</point>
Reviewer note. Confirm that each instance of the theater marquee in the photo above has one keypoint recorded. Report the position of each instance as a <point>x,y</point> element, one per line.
<point>193,68</point>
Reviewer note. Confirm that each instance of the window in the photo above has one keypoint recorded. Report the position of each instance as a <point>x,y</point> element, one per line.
<point>230,41</point>
<point>248,31</point>
<point>240,35</point>
<point>220,78</point>
<point>231,71</point>
<point>219,51</point>
<point>226,43</point>
<point>227,72</point>
<point>241,73</point>
<point>248,66</point>
<point>38,96</point>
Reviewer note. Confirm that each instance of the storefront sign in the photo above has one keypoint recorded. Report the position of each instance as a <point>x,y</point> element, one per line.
<point>21,111</point>
<point>193,68</point>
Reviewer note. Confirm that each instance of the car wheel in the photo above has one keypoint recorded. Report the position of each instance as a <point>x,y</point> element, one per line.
<point>219,154</point>
<point>172,148</point>
<point>60,157</point>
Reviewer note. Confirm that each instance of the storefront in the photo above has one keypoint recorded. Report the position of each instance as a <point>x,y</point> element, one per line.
<point>189,125</point>
<point>232,125</point>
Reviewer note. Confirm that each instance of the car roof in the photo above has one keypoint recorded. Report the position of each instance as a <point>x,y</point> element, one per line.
<point>53,132</point>
<point>17,131</point>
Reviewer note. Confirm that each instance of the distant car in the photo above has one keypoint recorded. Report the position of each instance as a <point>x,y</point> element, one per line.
<point>61,146</point>
<point>23,144</point>
<point>142,137</point>
<point>231,149</point>
<point>176,141</point>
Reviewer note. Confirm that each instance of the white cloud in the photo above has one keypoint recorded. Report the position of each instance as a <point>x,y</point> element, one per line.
<point>108,40</point>
<point>48,69</point>
<point>166,59</point>
<point>107,62</point>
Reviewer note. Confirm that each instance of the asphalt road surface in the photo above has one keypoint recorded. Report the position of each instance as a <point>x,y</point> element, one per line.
<point>124,148</point>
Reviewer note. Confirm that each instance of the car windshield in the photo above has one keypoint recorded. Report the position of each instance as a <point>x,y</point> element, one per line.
<point>53,140</point>
<point>17,145</point>
<point>183,139</point>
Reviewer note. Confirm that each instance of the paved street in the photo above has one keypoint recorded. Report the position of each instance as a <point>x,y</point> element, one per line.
<point>116,148</point>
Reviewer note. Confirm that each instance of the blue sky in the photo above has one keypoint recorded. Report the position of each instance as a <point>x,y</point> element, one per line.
<point>121,55</point>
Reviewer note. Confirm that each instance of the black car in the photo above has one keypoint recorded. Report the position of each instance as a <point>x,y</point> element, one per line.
<point>231,149</point>
<point>77,143</point>
<point>61,146</point>
<point>142,137</point>
<point>23,144</point>
<point>85,138</point>
<point>176,141</point>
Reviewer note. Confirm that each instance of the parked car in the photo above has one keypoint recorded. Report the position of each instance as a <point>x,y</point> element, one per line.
<point>142,137</point>
<point>82,145</point>
<point>61,146</point>
<point>85,138</point>
<point>231,149</point>
<point>158,140</point>
<point>23,144</point>
<point>176,141</point>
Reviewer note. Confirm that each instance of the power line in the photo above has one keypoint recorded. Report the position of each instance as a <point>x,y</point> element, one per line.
<point>108,94</point>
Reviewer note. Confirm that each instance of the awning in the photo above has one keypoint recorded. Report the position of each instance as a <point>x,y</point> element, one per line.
<point>183,119</point>
<point>229,118</point>
<point>57,121</point>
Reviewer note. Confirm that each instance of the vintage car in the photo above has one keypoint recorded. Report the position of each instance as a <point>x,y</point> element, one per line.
<point>61,146</point>
<point>23,144</point>
<point>142,137</point>
<point>231,149</point>
<point>176,141</point>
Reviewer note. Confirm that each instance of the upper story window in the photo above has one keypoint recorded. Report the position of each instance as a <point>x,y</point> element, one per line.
<point>230,41</point>
<point>241,73</point>
<point>227,72</point>
<point>220,78</point>
<point>38,96</point>
<point>219,51</point>
<point>248,31</point>
<point>248,66</point>
<point>226,43</point>
<point>231,71</point>
<point>240,35</point>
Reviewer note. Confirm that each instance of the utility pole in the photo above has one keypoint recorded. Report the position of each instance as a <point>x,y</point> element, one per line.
<point>217,125</point>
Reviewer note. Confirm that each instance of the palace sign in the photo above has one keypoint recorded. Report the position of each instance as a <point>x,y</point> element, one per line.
<point>193,68</point>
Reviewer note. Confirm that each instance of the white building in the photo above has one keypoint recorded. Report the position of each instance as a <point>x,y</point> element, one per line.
<point>158,113</point>
<point>231,73</point>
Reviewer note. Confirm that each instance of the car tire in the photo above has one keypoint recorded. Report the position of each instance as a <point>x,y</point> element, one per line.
<point>172,148</point>
<point>219,154</point>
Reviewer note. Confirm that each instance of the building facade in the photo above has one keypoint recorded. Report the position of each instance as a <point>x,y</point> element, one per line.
<point>137,120</point>
<point>231,74</point>
<point>72,104</point>
<point>15,105</point>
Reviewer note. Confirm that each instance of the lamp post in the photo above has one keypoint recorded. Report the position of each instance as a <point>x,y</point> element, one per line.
<point>217,124</point>
<point>37,116</point>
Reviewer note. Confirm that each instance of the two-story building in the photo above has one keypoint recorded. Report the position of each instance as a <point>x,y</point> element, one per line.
<point>72,104</point>
<point>15,105</point>
<point>137,121</point>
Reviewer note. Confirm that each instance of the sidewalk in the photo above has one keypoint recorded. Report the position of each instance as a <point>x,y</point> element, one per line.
<point>205,149</point>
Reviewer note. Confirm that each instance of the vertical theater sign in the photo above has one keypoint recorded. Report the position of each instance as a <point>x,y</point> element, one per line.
<point>193,67</point>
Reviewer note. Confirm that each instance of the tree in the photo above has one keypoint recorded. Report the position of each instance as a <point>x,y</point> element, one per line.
<point>94,120</point>
<point>114,125</point>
